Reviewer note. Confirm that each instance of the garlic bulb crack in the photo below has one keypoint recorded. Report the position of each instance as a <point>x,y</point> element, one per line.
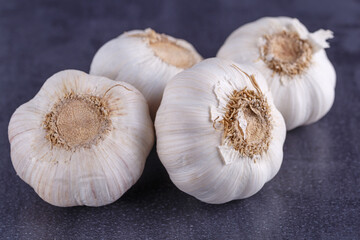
<point>82,140</point>
<point>294,63</point>
<point>145,59</point>
<point>219,134</point>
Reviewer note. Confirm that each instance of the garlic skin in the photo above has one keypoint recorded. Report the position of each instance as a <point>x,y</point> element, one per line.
<point>146,60</point>
<point>190,133</point>
<point>82,140</point>
<point>299,74</point>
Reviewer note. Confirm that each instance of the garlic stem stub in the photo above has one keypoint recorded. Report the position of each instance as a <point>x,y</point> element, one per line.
<point>219,134</point>
<point>82,140</point>
<point>294,63</point>
<point>145,59</point>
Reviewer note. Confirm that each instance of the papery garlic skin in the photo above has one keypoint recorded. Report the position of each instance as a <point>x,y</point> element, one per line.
<point>191,148</point>
<point>302,98</point>
<point>137,57</point>
<point>94,173</point>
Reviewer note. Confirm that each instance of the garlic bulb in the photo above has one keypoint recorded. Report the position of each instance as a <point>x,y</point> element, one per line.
<point>294,63</point>
<point>218,132</point>
<point>82,140</point>
<point>145,59</point>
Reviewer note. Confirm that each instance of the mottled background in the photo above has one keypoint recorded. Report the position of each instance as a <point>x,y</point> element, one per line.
<point>316,193</point>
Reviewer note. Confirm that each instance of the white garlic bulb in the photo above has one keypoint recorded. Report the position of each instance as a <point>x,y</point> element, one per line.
<point>82,140</point>
<point>219,134</point>
<point>146,60</point>
<point>293,61</point>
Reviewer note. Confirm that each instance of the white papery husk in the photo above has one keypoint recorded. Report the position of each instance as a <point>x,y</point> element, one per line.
<point>130,59</point>
<point>92,176</point>
<point>302,99</point>
<point>191,149</point>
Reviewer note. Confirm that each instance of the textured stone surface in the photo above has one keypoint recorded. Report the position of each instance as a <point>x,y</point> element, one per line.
<point>316,193</point>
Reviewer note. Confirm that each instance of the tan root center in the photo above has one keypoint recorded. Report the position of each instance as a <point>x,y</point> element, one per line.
<point>77,121</point>
<point>256,112</point>
<point>285,53</point>
<point>168,50</point>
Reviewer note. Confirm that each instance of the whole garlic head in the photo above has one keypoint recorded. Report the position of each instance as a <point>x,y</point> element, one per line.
<point>145,59</point>
<point>219,134</point>
<point>82,140</point>
<point>294,63</point>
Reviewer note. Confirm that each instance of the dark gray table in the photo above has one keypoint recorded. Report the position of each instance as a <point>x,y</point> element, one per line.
<point>316,193</point>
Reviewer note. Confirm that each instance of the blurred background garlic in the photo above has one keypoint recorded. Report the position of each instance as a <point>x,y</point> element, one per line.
<point>145,59</point>
<point>82,140</point>
<point>294,63</point>
<point>219,134</point>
